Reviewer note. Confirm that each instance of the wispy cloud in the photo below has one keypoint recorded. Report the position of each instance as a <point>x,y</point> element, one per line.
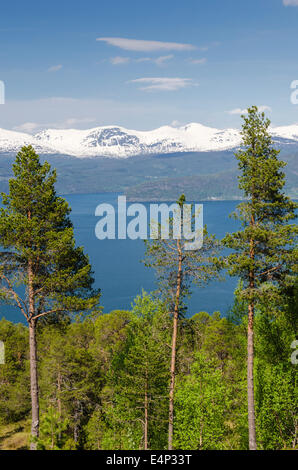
<point>201,61</point>
<point>126,60</point>
<point>119,60</point>
<point>146,46</point>
<point>73,122</point>
<point>55,68</point>
<point>33,127</point>
<point>27,127</point>
<point>158,61</point>
<point>290,3</point>
<point>244,111</point>
<point>163,83</point>
<point>176,123</point>
<point>162,59</point>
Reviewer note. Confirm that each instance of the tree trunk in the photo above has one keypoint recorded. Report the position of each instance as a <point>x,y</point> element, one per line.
<point>59,398</point>
<point>59,406</point>
<point>250,355</point>
<point>250,380</point>
<point>146,417</point>
<point>174,345</point>
<point>33,360</point>
<point>34,385</point>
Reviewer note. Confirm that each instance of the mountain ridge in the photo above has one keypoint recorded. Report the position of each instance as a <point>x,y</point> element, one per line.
<point>119,142</point>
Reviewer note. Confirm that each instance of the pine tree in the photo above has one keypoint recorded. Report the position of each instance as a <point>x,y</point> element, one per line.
<point>263,257</point>
<point>176,267</point>
<point>139,375</point>
<point>37,234</point>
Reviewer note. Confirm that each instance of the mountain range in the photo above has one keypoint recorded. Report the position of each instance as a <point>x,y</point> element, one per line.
<point>118,142</point>
<point>158,165</point>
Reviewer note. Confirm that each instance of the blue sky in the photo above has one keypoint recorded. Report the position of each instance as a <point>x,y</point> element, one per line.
<point>143,64</point>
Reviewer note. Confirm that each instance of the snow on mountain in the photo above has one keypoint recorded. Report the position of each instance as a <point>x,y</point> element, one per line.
<point>118,142</point>
<point>286,132</point>
<point>11,141</point>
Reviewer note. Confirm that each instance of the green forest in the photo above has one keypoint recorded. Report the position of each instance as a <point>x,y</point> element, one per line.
<point>151,378</point>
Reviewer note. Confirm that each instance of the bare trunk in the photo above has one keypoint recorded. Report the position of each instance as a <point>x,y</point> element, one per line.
<point>76,427</point>
<point>250,381</point>
<point>34,385</point>
<point>59,392</point>
<point>59,397</point>
<point>201,436</point>
<point>33,362</point>
<point>146,417</point>
<point>250,359</point>
<point>174,346</point>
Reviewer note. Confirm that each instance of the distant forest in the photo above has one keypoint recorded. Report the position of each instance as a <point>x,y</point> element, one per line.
<point>201,176</point>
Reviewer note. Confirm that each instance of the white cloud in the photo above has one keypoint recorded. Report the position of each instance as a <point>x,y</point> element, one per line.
<point>144,59</point>
<point>176,123</point>
<point>125,60</point>
<point>55,68</point>
<point>146,46</point>
<point>240,111</point>
<point>237,111</point>
<point>198,61</point>
<point>27,127</point>
<point>164,84</point>
<point>164,58</point>
<point>290,3</point>
<point>158,61</point>
<point>119,60</point>
<point>141,114</point>
<point>32,127</point>
<point>72,122</point>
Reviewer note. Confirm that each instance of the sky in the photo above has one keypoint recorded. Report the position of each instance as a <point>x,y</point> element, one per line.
<point>144,64</point>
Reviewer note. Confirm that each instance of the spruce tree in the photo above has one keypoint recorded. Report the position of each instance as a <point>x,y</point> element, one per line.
<point>40,253</point>
<point>264,249</point>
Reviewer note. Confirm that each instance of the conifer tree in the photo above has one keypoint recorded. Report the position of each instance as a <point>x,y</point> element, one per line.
<point>138,378</point>
<point>264,249</point>
<point>40,253</point>
<point>176,267</point>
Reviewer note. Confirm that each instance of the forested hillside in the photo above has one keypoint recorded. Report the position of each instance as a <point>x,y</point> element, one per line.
<point>201,176</point>
<point>93,371</point>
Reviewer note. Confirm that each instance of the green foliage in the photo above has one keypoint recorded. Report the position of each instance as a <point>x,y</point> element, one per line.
<point>37,234</point>
<point>266,244</point>
<point>51,431</point>
<point>104,379</point>
<point>277,409</point>
<point>139,375</point>
<point>201,404</point>
<point>222,345</point>
<point>93,374</point>
<point>14,374</point>
<point>198,266</point>
<point>70,378</point>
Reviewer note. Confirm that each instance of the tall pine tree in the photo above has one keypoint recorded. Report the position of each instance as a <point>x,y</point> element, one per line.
<point>40,253</point>
<point>177,267</point>
<point>263,250</point>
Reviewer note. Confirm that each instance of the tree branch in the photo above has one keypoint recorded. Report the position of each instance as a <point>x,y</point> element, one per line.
<point>18,300</point>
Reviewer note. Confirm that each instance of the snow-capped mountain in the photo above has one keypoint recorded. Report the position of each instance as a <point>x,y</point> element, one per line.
<point>118,142</point>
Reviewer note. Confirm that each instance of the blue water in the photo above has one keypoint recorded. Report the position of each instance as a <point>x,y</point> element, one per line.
<point>117,264</point>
